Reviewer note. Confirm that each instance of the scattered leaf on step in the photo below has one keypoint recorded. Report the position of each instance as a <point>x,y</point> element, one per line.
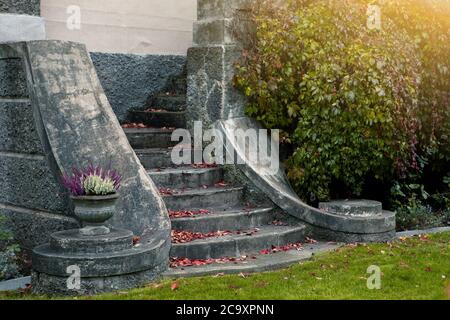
<point>135,125</point>
<point>187,236</point>
<point>221,184</point>
<point>166,191</point>
<point>310,240</point>
<point>187,213</point>
<point>136,240</point>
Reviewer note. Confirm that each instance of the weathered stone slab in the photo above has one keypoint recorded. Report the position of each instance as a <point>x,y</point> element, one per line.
<point>77,127</point>
<point>17,27</point>
<point>12,79</point>
<point>221,31</point>
<point>355,207</point>
<point>260,264</point>
<point>26,181</point>
<point>210,9</point>
<point>136,259</point>
<point>72,241</point>
<point>211,95</point>
<point>213,32</point>
<point>17,129</point>
<point>57,285</point>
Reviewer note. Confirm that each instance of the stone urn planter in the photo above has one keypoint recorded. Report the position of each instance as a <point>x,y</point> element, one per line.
<point>94,211</point>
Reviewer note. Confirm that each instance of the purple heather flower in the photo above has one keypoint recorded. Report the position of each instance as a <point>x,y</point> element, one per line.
<point>74,182</point>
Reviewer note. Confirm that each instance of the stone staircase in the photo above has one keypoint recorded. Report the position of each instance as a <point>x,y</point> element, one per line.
<point>247,228</point>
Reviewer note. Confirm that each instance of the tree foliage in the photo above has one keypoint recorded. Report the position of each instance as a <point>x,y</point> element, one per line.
<point>355,103</point>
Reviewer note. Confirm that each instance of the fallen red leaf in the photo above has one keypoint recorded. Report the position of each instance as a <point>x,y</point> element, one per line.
<point>310,240</point>
<point>188,236</point>
<point>166,191</point>
<point>136,240</point>
<point>174,286</point>
<point>221,184</point>
<point>278,223</point>
<point>203,165</point>
<point>187,213</point>
<point>135,125</point>
<point>288,247</point>
<point>186,262</point>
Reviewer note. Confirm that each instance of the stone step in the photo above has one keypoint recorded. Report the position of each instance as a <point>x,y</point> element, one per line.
<point>150,138</point>
<point>236,245</point>
<point>175,119</point>
<point>262,262</point>
<point>71,241</point>
<point>157,158</point>
<point>232,219</point>
<point>169,102</point>
<point>186,177</point>
<point>201,198</point>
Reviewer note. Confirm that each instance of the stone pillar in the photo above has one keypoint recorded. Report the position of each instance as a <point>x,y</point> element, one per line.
<point>210,65</point>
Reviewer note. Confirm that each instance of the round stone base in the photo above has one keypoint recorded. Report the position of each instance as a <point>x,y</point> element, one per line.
<point>90,231</point>
<point>347,237</point>
<point>43,283</point>
<point>73,264</point>
<point>352,207</point>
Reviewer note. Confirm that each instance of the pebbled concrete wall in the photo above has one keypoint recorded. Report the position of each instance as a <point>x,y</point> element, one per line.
<point>130,80</point>
<point>30,196</point>
<point>31,7</point>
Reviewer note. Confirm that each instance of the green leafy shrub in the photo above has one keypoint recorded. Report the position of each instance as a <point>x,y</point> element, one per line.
<point>428,24</point>
<point>415,215</point>
<point>345,96</point>
<point>8,254</point>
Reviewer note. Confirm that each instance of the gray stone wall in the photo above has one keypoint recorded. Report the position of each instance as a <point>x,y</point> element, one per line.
<point>30,196</point>
<point>31,7</point>
<point>130,80</point>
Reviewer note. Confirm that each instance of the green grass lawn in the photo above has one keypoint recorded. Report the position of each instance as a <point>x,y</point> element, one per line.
<point>413,268</point>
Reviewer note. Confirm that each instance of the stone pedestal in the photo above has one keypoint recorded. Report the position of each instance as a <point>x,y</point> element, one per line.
<point>97,263</point>
<point>210,65</point>
<point>353,207</point>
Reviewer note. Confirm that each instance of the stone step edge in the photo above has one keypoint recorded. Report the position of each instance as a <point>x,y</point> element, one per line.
<point>264,232</point>
<point>262,263</point>
<point>230,213</point>
<point>178,193</point>
<point>159,112</point>
<point>181,170</point>
<point>148,131</point>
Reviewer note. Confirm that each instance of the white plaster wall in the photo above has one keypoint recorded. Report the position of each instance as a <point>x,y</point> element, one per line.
<point>125,26</point>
